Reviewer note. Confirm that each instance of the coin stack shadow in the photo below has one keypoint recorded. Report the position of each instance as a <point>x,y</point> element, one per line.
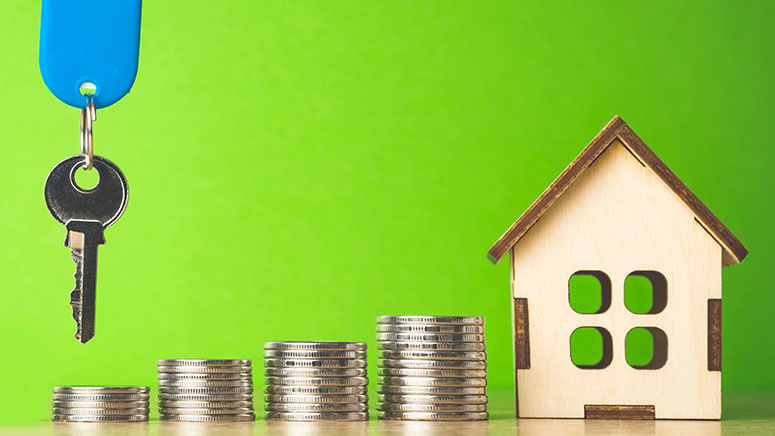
<point>432,368</point>
<point>316,381</point>
<point>205,390</point>
<point>101,404</point>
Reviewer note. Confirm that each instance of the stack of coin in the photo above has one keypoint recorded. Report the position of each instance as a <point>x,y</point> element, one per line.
<point>316,381</point>
<point>432,368</point>
<point>205,390</point>
<point>101,404</point>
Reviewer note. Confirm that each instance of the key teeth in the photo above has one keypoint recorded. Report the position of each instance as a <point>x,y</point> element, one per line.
<point>75,294</point>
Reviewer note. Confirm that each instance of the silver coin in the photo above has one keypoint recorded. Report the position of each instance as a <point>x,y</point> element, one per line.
<point>316,407</point>
<point>101,390</point>
<point>194,376</point>
<point>435,416</point>
<point>318,416</point>
<point>415,372</point>
<point>100,418</point>
<point>317,390</point>
<point>433,399</point>
<point>429,337</point>
<point>180,390</point>
<point>205,397</point>
<point>415,407</point>
<point>432,381</point>
<point>203,362</point>
<point>314,354</point>
<point>205,369</point>
<point>315,363</point>
<point>100,411</point>
<point>315,372</point>
<point>430,390</point>
<point>460,320</point>
<point>206,383</point>
<point>186,404</point>
<point>205,411</point>
<point>432,364</point>
<point>318,381</point>
<point>300,345</point>
<point>433,355</point>
<point>209,418</point>
<point>101,397</point>
<point>101,404</point>
<point>432,346</point>
<point>430,328</point>
<point>322,399</point>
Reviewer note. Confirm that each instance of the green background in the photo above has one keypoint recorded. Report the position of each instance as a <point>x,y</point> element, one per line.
<point>298,168</point>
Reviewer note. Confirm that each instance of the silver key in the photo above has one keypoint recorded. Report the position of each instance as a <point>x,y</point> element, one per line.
<point>86,214</point>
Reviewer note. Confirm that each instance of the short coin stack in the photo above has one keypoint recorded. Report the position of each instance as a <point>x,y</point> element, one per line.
<point>432,368</point>
<point>316,381</point>
<point>205,390</point>
<point>101,404</point>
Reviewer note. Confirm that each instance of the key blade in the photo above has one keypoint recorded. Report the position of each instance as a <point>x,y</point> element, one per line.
<point>76,252</point>
<point>83,238</point>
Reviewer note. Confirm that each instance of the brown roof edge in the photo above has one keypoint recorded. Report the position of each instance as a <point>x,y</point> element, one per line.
<point>617,128</point>
<point>736,250</point>
<point>553,192</point>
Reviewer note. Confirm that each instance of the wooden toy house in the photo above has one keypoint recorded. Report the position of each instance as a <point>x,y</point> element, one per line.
<point>617,211</point>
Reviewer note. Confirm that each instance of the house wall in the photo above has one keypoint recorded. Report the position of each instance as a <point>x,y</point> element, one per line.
<point>618,217</point>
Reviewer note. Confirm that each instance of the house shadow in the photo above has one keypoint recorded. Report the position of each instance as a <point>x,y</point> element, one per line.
<point>563,426</point>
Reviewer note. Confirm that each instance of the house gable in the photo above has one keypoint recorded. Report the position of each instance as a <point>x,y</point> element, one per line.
<point>618,131</point>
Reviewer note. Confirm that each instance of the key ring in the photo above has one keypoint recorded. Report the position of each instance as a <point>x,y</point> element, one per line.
<point>88,116</point>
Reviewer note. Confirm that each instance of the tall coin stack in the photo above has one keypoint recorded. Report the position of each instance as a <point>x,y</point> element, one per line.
<point>205,390</point>
<point>101,404</point>
<point>432,368</point>
<point>316,381</point>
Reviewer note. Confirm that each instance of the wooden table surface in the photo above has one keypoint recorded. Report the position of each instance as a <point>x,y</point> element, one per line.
<point>745,413</point>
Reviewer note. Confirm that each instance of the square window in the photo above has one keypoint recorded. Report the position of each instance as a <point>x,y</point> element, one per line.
<point>646,348</point>
<point>589,292</point>
<point>591,347</point>
<point>645,292</point>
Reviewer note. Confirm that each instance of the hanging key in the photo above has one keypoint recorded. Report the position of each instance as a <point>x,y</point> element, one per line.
<point>86,213</point>
<point>89,50</point>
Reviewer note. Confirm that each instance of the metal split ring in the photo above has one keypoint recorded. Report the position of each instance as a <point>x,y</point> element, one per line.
<point>88,117</point>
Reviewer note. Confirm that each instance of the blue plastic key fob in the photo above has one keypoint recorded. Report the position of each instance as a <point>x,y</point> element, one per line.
<point>89,41</point>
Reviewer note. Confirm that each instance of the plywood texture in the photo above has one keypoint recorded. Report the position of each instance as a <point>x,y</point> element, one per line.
<point>617,130</point>
<point>618,412</point>
<point>521,334</point>
<point>618,216</point>
<point>714,334</point>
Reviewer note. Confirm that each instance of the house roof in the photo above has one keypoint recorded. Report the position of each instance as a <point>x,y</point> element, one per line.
<point>734,251</point>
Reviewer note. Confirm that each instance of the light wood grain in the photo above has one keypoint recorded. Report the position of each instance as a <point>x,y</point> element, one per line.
<point>618,130</point>
<point>618,216</point>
